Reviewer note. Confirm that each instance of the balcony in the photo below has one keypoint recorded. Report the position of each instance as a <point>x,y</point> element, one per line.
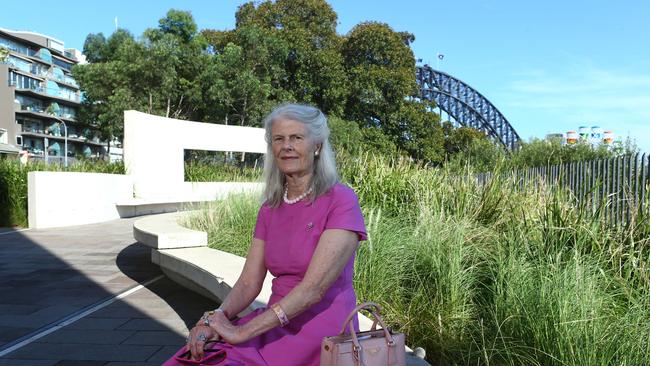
<point>95,141</point>
<point>48,92</point>
<point>70,55</point>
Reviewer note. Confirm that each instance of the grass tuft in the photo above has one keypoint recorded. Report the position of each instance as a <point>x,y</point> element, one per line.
<point>494,274</point>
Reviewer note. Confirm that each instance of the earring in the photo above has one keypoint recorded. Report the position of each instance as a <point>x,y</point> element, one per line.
<point>316,153</point>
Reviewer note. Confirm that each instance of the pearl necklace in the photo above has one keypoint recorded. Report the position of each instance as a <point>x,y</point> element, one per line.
<point>292,201</point>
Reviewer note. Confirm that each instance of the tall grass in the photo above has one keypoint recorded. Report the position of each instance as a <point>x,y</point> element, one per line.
<point>494,274</point>
<point>197,171</point>
<point>13,184</point>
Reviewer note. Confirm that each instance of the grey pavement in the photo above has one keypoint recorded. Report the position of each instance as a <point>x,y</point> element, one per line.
<point>48,275</point>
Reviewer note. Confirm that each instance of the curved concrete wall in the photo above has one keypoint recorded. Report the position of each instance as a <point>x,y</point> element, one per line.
<point>154,150</point>
<point>154,160</point>
<point>67,198</point>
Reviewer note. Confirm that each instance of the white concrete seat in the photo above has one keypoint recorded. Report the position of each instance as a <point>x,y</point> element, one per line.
<point>163,232</point>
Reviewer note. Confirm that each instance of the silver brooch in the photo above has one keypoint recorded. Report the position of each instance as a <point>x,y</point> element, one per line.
<point>310,225</point>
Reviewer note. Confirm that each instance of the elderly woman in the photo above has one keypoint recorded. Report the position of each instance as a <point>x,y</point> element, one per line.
<point>306,235</point>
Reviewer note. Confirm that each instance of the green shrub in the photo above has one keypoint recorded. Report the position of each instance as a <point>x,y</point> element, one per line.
<point>196,171</point>
<point>13,184</point>
<point>493,274</point>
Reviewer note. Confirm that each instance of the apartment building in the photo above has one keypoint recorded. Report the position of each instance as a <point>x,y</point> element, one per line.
<point>39,98</point>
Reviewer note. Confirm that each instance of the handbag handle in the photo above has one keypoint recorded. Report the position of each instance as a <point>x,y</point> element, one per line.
<point>374,309</point>
<point>375,312</point>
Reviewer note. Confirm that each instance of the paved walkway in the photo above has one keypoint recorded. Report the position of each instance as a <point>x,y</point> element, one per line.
<point>52,276</point>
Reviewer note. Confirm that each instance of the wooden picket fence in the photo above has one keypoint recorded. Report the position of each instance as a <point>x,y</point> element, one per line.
<point>617,188</point>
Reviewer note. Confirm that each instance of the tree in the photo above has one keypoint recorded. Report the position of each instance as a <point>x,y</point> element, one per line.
<point>482,154</point>
<point>244,78</point>
<point>156,74</point>
<point>94,47</point>
<point>279,51</point>
<point>178,23</point>
<point>381,70</point>
<point>417,131</point>
<point>345,135</point>
<point>313,64</point>
<point>542,152</point>
<point>4,53</point>
<point>458,139</point>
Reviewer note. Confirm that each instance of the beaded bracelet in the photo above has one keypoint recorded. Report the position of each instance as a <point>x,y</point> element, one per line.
<point>280,314</point>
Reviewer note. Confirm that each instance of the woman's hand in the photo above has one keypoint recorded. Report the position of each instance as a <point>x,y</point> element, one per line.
<point>199,335</point>
<point>226,330</point>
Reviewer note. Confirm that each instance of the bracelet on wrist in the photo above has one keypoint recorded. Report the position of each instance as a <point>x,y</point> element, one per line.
<point>206,316</point>
<point>282,316</point>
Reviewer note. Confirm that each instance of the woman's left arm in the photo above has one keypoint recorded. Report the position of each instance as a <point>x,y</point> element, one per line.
<point>334,250</point>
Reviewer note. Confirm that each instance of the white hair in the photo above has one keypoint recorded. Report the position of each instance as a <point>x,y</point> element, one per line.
<point>325,174</point>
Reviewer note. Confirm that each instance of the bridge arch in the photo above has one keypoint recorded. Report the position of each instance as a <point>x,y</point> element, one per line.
<point>465,105</point>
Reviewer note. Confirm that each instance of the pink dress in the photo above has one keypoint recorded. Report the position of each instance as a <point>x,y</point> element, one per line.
<point>291,233</point>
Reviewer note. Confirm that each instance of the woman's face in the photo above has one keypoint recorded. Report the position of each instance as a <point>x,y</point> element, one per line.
<point>292,148</point>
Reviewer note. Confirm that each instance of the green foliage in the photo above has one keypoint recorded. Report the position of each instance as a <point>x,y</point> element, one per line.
<point>345,135</point>
<point>4,53</point>
<point>196,171</point>
<point>313,64</point>
<point>485,274</point>
<point>458,139</point>
<point>156,74</point>
<point>13,184</point>
<point>229,223</point>
<point>381,70</point>
<point>178,23</point>
<point>94,47</point>
<point>377,50</point>
<point>539,152</point>
<point>242,82</point>
<point>482,154</point>
<point>279,51</point>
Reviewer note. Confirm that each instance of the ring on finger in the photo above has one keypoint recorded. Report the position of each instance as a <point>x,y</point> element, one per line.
<point>202,338</point>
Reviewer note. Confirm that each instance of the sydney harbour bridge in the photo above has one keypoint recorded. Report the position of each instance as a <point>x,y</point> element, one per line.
<point>465,105</point>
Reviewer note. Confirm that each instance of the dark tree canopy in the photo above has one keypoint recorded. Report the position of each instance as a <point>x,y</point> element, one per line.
<point>279,51</point>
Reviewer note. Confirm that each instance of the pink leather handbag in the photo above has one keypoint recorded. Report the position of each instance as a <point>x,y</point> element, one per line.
<point>371,348</point>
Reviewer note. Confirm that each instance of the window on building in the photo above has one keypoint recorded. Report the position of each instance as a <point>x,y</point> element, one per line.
<point>4,136</point>
<point>14,46</point>
<point>25,82</point>
<point>57,73</point>
<point>70,80</point>
<point>39,69</point>
<point>52,88</point>
<point>34,145</point>
<point>30,104</point>
<point>55,45</point>
<point>54,149</point>
<point>44,54</point>
<point>67,112</point>
<point>31,125</point>
<point>72,150</point>
<point>20,64</point>
<point>19,140</point>
<point>54,129</point>
<point>63,64</point>
<point>68,93</point>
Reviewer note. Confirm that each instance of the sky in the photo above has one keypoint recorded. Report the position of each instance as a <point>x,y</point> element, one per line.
<point>549,66</point>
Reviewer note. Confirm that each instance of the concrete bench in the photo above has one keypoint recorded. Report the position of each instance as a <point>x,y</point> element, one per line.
<point>140,207</point>
<point>184,257</point>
